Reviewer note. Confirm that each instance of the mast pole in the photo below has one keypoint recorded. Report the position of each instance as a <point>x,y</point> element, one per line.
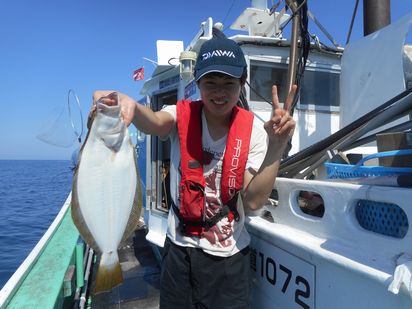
<point>291,77</point>
<point>376,15</point>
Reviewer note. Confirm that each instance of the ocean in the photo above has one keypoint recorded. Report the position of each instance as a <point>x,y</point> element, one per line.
<point>31,195</point>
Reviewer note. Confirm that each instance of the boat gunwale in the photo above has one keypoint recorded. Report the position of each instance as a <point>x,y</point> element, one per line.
<point>12,285</point>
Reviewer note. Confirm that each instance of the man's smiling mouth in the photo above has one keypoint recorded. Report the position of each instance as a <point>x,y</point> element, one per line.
<point>219,101</point>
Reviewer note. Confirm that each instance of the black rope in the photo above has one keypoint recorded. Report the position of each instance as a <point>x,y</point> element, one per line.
<point>258,94</point>
<point>303,51</point>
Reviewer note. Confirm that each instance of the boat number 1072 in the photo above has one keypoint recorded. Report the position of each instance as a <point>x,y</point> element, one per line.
<point>279,275</point>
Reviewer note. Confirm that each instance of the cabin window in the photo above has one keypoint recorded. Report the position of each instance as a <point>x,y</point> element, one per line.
<point>263,75</point>
<point>319,88</point>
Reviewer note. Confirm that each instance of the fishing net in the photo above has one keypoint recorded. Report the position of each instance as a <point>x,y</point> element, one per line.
<point>64,125</point>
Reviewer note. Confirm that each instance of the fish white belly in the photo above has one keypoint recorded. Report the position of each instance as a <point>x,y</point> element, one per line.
<point>106,186</point>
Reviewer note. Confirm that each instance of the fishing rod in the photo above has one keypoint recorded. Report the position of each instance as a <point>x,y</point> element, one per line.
<point>331,154</point>
<point>303,167</point>
<point>407,125</point>
<point>306,166</point>
<point>335,150</point>
<point>341,139</point>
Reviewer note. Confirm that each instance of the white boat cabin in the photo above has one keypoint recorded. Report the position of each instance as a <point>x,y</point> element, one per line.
<point>326,258</point>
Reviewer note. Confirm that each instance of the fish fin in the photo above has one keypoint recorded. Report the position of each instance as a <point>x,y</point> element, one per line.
<point>136,211</point>
<point>78,218</point>
<point>109,273</point>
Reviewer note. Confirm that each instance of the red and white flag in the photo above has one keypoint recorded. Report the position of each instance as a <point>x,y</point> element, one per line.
<point>138,74</point>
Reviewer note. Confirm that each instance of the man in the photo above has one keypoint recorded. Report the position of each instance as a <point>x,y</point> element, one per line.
<point>222,162</point>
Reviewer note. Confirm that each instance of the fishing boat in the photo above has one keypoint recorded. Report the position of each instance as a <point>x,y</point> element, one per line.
<point>335,230</point>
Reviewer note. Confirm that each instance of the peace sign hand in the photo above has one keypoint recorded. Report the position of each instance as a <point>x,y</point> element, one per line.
<point>281,126</point>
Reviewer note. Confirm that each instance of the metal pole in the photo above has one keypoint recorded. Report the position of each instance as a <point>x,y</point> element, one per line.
<point>83,298</point>
<point>291,77</point>
<point>79,263</point>
<point>352,21</point>
<point>376,15</point>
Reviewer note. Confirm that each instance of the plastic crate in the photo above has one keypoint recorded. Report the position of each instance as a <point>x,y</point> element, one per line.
<point>375,216</point>
<point>337,170</point>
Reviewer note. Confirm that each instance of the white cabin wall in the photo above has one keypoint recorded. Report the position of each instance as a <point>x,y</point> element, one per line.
<point>313,123</point>
<point>312,126</point>
<point>373,70</point>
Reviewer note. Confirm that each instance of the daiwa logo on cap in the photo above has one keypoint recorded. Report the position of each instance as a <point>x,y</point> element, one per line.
<point>218,53</point>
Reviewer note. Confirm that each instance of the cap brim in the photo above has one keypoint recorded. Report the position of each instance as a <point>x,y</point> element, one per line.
<point>233,71</point>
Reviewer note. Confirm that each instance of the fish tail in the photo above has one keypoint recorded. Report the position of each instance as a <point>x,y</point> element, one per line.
<point>109,273</point>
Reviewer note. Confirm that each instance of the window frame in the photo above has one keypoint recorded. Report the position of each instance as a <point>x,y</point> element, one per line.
<point>311,66</point>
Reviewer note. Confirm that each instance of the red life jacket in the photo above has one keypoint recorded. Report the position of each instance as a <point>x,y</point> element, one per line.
<point>192,184</point>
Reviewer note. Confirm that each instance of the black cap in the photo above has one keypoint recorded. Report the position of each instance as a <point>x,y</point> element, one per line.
<point>220,55</point>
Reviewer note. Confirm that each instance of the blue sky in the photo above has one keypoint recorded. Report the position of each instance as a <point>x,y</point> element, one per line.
<point>48,47</point>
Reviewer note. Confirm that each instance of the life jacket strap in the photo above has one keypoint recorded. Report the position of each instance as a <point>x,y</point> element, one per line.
<point>210,222</point>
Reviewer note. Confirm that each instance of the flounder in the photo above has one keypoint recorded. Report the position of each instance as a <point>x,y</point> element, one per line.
<point>106,193</point>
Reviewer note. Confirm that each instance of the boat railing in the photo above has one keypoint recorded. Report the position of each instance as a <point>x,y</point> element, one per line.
<point>29,277</point>
<point>341,229</point>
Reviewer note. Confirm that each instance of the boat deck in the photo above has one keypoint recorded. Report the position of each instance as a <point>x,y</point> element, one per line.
<point>141,274</point>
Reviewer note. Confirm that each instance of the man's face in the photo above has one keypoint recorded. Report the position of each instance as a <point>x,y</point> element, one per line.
<point>219,92</point>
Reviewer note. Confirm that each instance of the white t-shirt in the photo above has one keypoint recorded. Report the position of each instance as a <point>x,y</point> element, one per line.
<point>225,238</point>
